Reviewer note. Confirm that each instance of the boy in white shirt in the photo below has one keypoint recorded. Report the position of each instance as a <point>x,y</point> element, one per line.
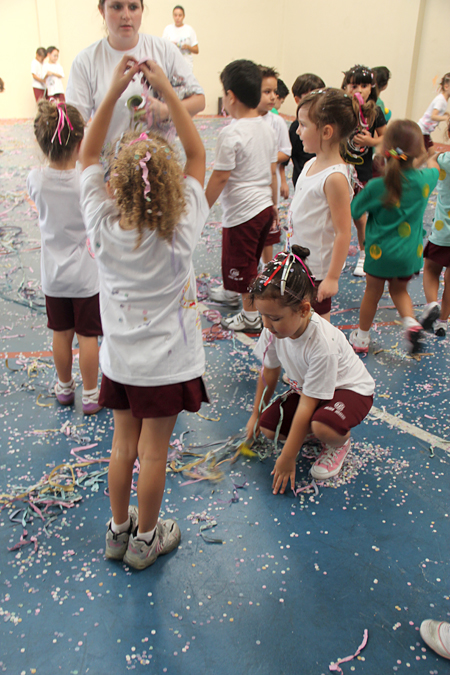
<point>269,87</point>
<point>245,174</point>
<point>54,73</point>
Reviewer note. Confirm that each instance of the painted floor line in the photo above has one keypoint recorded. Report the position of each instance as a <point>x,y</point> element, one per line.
<point>399,423</point>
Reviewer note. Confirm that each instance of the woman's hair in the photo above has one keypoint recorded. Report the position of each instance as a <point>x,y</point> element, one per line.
<point>402,144</point>
<point>101,3</point>
<point>286,278</point>
<point>147,182</point>
<point>361,75</point>
<point>306,83</point>
<point>179,7</point>
<point>382,76</point>
<point>332,106</point>
<point>445,80</point>
<point>58,129</point>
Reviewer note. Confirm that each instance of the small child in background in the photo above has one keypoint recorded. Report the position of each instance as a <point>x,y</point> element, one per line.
<point>436,112</point>
<point>319,215</point>
<point>53,74</point>
<point>281,93</point>
<point>360,83</point>
<point>394,236</point>
<point>382,77</point>
<point>330,389</point>
<point>144,227</point>
<point>303,85</point>
<point>69,274</point>
<point>245,175</point>
<point>268,98</point>
<point>437,255</point>
<point>37,73</point>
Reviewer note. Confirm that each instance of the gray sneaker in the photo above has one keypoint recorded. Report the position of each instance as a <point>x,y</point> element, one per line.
<point>141,555</point>
<point>117,544</point>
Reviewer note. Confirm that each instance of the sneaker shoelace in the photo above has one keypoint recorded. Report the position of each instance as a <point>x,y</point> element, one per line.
<point>330,455</point>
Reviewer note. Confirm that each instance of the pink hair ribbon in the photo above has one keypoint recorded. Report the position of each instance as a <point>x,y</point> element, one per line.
<point>144,167</point>
<point>142,137</point>
<point>62,115</point>
<point>361,102</point>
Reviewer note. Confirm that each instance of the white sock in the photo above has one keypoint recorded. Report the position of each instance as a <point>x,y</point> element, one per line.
<point>363,334</point>
<point>410,322</point>
<point>362,253</point>
<point>90,393</point>
<point>146,536</point>
<point>65,385</point>
<point>119,529</point>
<point>250,315</point>
<point>443,321</point>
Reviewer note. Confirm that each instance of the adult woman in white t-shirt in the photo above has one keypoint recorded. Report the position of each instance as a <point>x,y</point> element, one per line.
<point>93,67</point>
<point>182,35</point>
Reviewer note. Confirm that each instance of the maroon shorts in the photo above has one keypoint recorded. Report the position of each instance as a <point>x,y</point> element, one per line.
<point>38,94</point>
<point>164,401</point>
<point>323,307</point>
<point>437,254</point>
<point>346,410</point>
<point>80,314</point>
<point>428,143</point>
<point>274,236</point>
<point>241,250</point>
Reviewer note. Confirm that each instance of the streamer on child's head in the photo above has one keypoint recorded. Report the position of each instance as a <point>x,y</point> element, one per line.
<point>287,278</point>
<point>59,128</point>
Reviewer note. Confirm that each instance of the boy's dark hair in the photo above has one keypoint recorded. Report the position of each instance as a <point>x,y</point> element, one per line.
<point>282,90</point>
<point>52,49</point>
<point>306,83</point>
<point>244,79</point>
<point>267,71</point>
<point>41,51</point>
<point>361,75</point>
<point>382,76</point>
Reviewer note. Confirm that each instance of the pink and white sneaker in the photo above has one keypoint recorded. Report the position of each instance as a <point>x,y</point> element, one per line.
<point>360,345</point>
<point>330,461</point>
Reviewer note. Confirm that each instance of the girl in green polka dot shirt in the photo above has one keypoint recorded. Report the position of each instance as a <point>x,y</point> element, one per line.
<point>394,234</point>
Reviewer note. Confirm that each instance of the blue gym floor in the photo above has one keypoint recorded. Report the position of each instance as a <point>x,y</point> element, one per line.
<point>261,583</point>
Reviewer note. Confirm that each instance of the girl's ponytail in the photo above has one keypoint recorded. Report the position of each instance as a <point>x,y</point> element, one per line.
<point>402,144</point>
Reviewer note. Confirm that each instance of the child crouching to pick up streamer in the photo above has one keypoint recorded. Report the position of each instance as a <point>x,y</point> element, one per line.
<point>69,273</point>
<point>331,390</point>
<point>144,229</point>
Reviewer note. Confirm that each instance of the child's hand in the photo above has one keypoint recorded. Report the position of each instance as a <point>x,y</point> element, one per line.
<point>250,427</point>
<point>124,72</point>
<point>283,471</point>
<point>284,189</point>
<point>327,289</point>
<point>155,76</point>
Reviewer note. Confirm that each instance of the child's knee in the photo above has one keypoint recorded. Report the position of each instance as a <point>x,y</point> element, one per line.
<point>268,433</point>
<point>327,434</point>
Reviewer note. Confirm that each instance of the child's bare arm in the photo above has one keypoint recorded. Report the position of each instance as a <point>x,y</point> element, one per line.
<point>284,470</point>
<point>215,185</point>
<point>271,376</point>
<point>336,192</point>
<point>432,161</point>
<point>284,187</point>
<point>437,117</point>
<point>93,142</point>
<point>186,129</point>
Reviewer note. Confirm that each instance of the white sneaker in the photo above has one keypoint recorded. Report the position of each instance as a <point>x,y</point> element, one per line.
<point>240,322</point>
<point>140,555</point>
<point>436,634</point>
<point>360,345</point>
<point>359,269</point>
<point>440,328</point>
<point>429,315</point>
<point>220,294</point>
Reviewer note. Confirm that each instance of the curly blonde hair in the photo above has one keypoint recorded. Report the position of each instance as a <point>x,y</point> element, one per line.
<point>161,208</point>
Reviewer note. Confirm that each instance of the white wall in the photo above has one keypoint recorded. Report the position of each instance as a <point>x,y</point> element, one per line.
<point>295,36</point>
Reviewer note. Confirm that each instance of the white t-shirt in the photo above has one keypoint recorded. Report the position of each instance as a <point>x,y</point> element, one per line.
<point>148,299</point>
<point>54,84</point>
<point>37,68</point>
<point>428,125</point>
<point>309,217</point>
<point>247,148</point>
<point>68,269</point>
<point>183,35</point>
<point>318,362</point>
<point>91,73</point>
<point>282,137</point>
